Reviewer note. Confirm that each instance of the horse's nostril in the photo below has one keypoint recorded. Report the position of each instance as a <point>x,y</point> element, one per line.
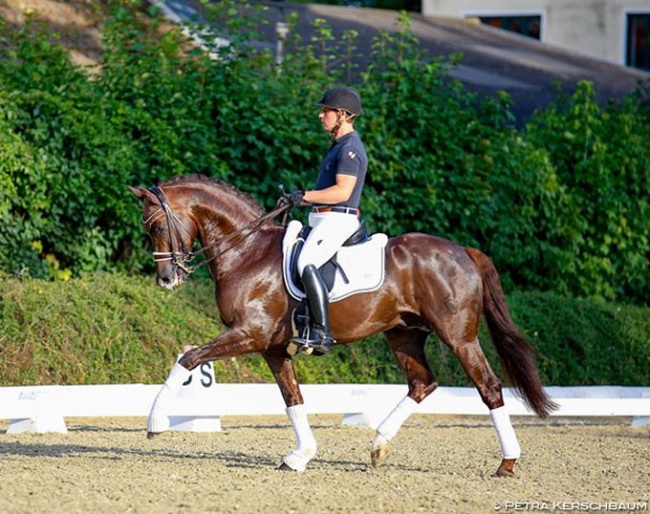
<point>164,281</point>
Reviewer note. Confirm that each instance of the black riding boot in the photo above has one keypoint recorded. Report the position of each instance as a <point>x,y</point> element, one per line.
<point>320,335</point>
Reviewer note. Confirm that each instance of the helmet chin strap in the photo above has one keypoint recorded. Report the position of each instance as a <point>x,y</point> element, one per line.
<point>341,116</point>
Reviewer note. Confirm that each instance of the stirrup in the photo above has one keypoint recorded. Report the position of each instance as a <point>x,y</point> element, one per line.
<point>311,341</point>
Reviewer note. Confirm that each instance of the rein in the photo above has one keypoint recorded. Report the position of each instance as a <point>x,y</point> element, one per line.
<point>182,258</point>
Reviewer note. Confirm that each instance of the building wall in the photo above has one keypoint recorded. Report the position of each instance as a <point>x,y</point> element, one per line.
<point>596,28</point>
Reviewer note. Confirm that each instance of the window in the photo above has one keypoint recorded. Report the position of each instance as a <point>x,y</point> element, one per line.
<point>638,41</point>
<point>525,25</point>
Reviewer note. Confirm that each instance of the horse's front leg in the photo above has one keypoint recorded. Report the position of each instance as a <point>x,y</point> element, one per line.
<point>282,367</point>
<point>231,343</point>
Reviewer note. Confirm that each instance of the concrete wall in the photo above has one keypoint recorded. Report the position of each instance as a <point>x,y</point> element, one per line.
<point>596,28</point>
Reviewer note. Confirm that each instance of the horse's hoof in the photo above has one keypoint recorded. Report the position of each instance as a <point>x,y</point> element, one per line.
<point>506,469</point>
<point>284,467</point>
<point>379,455</point>
<point>151,435</point>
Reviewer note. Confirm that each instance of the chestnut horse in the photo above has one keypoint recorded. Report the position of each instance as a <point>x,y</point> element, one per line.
<point>431,285</point>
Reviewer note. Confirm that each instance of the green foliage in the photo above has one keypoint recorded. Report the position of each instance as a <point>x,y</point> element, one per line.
<point>583,342</point>
<point>602,158</point>
<point>112,328</point>
<point>104,329</point>
<point>560,205</point>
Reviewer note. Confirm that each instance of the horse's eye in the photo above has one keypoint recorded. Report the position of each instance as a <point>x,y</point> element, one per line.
<point>157,230</point>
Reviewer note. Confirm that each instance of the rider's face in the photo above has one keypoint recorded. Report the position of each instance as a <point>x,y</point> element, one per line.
<point>328,117</point>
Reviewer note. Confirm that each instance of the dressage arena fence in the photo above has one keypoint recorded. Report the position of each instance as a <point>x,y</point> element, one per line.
<point>202,401</point>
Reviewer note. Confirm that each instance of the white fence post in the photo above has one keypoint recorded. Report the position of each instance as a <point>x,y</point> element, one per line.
<point>41,412</point>
<point>641,421</point>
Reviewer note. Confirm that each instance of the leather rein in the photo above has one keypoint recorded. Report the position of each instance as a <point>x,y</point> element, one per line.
<point>182,257</point>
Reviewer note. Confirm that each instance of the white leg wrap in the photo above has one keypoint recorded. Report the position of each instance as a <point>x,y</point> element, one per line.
<point>391,425</point>
<point>305,449</point>
<point>509,445</point>
<point>158,420</point>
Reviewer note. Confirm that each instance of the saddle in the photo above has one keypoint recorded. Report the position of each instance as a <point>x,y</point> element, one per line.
<point>358,267</point>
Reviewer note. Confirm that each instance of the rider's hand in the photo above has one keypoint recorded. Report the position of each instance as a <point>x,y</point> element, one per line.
<point>296,199</point>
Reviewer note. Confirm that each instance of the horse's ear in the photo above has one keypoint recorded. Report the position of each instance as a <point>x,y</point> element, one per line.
<point>143,193</point>
<point>138,192</point>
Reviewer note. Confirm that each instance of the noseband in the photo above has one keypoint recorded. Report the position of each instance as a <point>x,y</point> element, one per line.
<point>182,257</point>
<point>179,257</point>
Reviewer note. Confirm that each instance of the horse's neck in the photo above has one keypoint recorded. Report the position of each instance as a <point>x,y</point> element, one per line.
<point>222,213</point>
<point>223,222</point>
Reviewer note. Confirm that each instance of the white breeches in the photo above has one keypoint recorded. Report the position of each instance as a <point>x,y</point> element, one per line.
<point>329,231</point>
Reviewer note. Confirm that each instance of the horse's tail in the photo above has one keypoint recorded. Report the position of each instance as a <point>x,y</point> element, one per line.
<point>516,353</point>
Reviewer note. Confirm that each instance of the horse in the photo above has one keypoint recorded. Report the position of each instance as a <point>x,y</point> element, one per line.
<point>431,285</point>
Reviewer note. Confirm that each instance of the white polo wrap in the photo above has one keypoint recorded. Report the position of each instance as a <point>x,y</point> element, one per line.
<point>391,425</point>
<point>158,420</point>
<point>305,449</point>
<point>510,448</point>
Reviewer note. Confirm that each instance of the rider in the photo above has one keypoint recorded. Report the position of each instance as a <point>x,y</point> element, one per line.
<point>335,205</point>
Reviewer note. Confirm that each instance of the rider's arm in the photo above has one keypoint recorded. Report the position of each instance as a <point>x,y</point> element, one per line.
<point>337,193</point>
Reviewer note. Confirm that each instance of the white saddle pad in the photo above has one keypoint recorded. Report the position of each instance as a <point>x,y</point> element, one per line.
<point>363,265</point>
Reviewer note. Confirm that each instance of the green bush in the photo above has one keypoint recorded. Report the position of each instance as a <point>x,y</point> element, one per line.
<point>112,328</point>
<point>107,328</point>
<point>602,158</point>
<point>560,205</point>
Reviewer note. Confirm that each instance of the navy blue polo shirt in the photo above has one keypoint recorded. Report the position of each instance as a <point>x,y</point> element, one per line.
<point>346,156</point>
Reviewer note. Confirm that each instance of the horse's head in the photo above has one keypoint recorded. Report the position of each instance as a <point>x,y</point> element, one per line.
<point>172,232</point>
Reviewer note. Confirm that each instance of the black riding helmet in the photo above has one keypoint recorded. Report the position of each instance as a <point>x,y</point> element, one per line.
<point>342,97</point>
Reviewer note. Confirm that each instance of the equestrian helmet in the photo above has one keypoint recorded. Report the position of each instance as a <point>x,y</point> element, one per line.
<point>342,97</point>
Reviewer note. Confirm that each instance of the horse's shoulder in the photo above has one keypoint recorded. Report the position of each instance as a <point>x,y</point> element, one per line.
<point>272,235</point>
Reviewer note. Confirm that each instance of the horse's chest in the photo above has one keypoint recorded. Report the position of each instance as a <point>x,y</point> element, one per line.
<point>236,299</point>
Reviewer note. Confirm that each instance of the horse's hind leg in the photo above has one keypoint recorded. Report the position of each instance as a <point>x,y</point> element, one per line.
<point>471,356</point>
<point>408,347</point>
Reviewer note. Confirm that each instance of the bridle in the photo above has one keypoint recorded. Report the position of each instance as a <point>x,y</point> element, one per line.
<point>180,256</point>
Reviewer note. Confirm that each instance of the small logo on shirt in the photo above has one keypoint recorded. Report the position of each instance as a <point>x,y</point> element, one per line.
<point>351,154</point>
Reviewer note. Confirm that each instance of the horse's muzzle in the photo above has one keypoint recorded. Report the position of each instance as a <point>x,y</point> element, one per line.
<point>174,277</point>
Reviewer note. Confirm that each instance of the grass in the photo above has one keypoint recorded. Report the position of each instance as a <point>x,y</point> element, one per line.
<point>110,328</point>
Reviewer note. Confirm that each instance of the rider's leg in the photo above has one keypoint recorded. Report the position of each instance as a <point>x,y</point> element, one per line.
<point>321,335</point>
<point>329,232</point>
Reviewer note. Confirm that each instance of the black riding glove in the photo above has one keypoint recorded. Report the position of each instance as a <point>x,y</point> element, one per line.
<point>295,199</point>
